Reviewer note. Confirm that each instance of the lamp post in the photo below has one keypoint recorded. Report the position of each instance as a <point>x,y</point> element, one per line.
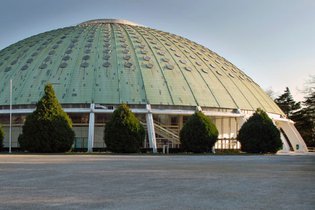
<point>10,130</point>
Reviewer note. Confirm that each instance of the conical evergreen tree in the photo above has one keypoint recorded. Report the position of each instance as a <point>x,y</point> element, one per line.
<point>124,133</point>
<point>198,134</point>
<point>259,135</point>
<point>305,119</point>
<point>48,128</point>
<point>287,103</point>
<point>309,109</point>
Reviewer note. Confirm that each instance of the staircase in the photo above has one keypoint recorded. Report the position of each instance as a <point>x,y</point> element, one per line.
<point>165,132</point>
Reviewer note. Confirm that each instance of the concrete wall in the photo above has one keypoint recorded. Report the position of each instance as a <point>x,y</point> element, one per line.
<point>16,131</point>
<point>98,137</point>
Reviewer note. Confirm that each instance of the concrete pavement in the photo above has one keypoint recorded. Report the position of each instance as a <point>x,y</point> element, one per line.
<point>156,182</point>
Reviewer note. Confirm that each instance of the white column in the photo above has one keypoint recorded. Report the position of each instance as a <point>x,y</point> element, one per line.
<point>240,121</point>
<point>91,129</point>
<point>10,131</point>
<point>150,128</point>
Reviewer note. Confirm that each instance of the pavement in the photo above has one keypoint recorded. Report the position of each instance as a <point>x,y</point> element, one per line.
<point>157,182</point>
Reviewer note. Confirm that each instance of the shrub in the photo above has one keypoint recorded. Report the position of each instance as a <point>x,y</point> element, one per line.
<point>48,128</point>
<point>124,133</point>
<point>259,135</point>
<point>198,134</point>
<point>1,137</point>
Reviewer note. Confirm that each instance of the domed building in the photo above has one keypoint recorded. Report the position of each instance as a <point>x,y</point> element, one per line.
<point>164,78</point>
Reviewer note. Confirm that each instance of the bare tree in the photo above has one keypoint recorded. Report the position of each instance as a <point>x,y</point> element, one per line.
<point>269,91</point>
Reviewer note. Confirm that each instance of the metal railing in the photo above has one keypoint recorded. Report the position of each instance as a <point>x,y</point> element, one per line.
<point>169,135</point>
<point>164,133</point>
<point>227,144</point>
<point>311,149</point>
<point>172,128</point>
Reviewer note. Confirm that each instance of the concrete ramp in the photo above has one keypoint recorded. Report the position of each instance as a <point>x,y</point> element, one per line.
<point>291,138</point>
<point>287,147</point>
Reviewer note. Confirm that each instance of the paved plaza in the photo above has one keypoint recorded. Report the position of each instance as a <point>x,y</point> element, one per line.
<point>156,182</point>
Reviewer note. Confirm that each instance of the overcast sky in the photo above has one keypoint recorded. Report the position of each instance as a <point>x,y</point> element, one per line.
<point>273,41</point>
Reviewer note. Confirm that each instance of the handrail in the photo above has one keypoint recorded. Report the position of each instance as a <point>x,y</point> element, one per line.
<point>171,128</point>
<point>164,125</point>
<point>167,131</point>
<point>169,135</point>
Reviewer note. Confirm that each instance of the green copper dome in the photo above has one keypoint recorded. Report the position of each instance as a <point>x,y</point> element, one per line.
<point>117,61</point>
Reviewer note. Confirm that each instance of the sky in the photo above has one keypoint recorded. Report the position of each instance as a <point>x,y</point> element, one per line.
<point>272,41</point>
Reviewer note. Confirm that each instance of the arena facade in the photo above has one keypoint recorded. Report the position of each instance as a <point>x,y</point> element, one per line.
<point>164,78</point>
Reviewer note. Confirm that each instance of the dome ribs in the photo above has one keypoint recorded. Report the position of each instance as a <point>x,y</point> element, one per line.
<point>250,87</point>
<point>220,93</point>
<point>230,84</point>
<point>101,71</point>
<point>240,84</point>
<point>76,82</point>
<point>15,72</point>
<point>94,52</point>
<point>203,93</point>
<point>226,83</point>
<point>39,69</point>
<point>112,61</point>
<point>180,90</point>
<point>170,46</point>
<point>269,105</point>
<point>109,82</point>
<point>247,85</point>
<point>157,86</point>
<point>126,69</point>
<point>116,67</point>
<point>59,67</point>
<point>71,58</point>
<point>141,87</point>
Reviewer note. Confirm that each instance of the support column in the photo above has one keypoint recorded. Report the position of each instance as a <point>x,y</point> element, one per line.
<point>239,123</point>
<point>91,129</point>
<point>180,122</point>
<point>150,128</point>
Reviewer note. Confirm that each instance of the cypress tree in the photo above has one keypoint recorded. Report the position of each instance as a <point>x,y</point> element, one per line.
<point>287,103</point>
<point>124,133</point>
<point>259,135</point>
<point>48,128</point>
<point>198,134</point>
<point>305,119</point>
